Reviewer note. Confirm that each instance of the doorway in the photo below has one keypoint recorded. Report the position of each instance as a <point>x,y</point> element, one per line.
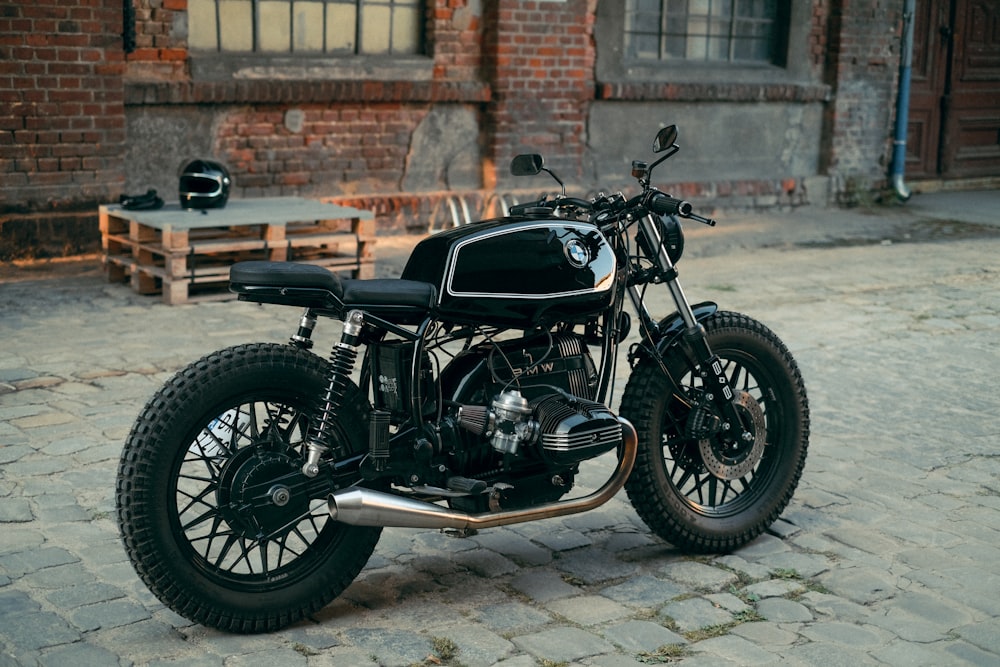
<point>954,128</point>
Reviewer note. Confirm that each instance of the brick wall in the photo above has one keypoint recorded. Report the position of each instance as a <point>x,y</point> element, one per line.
<point>540,61</point>
<point>61,122</point>
<point>455,29</point>
<point>819,37</point>
<point>160,39</point>
<point>348,135</point>
<point>522,70</point>
<point>328,150</point>
<point>862,65</point>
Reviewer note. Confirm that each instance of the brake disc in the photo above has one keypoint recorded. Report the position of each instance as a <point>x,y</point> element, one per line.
<point>728,456</point>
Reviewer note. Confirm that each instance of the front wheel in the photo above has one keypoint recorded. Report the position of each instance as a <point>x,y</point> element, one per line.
<point>215,513</point>
<point>700,487</point>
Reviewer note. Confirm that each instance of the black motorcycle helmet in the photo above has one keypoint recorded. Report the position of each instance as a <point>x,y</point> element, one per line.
<point>204,184</point>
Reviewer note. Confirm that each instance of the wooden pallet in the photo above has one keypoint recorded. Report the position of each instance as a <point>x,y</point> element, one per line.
<point>185,255</point>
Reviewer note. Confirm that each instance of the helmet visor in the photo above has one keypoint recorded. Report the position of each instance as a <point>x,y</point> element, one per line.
<point>200,184</point>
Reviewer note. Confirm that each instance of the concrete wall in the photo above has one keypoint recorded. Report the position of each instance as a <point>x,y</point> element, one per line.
<point>718,141</point>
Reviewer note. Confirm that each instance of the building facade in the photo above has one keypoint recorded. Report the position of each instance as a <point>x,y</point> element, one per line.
<point>393,104</point>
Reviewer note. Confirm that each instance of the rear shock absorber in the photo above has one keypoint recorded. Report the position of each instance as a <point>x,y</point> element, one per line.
<point>342,359</point>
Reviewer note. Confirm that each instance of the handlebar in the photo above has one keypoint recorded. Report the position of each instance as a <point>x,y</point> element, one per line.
<point>663,205</point>
<point>657,202</point>
<point>553,204</point>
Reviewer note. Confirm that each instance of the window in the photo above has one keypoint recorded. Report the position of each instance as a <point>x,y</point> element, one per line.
<point>738,31</point>
<point>312,27</point>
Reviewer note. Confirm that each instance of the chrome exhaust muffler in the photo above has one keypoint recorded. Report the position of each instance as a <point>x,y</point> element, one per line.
<point>367,507</point>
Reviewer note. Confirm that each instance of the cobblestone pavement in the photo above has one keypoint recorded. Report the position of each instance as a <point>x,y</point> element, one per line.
<point>888,554</point>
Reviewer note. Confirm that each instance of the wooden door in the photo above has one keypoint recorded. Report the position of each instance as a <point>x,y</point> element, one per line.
<point>971,142</point>
<point>927,85</point>
<point>954,128</point>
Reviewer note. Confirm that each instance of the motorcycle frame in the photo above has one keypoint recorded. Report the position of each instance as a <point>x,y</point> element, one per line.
<point>681,326</point>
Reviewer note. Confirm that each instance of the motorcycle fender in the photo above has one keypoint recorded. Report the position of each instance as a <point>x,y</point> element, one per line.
<point>672,326</point>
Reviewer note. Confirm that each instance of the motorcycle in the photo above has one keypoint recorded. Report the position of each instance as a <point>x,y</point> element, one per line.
<point>255,483</point>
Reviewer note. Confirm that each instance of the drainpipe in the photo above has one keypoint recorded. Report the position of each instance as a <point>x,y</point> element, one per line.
<point>903,103</point>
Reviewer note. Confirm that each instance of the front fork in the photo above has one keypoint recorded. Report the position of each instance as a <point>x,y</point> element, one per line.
<point>717,387</point>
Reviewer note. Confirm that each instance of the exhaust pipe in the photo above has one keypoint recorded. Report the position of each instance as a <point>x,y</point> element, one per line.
<point>366,507</point>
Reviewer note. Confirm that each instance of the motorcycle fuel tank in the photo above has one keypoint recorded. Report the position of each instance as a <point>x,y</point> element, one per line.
<point>519,272</point>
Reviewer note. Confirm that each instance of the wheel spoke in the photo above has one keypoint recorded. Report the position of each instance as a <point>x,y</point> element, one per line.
<point>713,490</point>
<point>244,556</point>
<point>262,550</point>
<point>196,500</point>
<point>724,491</point>
<point>213,533</point>
<point>285,547</point>
<point>699,488</point>
<point>685,477</point>
<point>231,540</point>
<point>228,536</point>
<point>210,513</point>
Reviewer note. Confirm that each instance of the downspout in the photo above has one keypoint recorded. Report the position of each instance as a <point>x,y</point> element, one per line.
<point>903,103</point>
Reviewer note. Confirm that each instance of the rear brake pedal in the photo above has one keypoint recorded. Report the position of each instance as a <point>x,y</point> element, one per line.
<point>466,485</point>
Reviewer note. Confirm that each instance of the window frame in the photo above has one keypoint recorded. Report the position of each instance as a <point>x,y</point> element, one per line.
<point>220,65</point>
<point>776,43</point>
<point>792,63</point>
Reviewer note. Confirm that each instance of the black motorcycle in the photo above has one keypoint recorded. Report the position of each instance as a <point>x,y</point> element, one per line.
<point>254,485</point>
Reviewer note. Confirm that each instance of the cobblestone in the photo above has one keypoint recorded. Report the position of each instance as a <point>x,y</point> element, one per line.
<point>887,554</point>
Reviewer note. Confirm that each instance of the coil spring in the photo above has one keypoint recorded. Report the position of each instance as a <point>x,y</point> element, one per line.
<point>342,360</point>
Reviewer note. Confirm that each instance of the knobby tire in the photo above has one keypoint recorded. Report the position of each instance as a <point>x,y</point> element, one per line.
<point>212,436</point>
<point>671,488</point>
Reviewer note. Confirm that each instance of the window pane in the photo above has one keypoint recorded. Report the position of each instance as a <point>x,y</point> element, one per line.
<point>717,48</point>
<point>236,19</point>
<point>375,22</point>
<point>755,8</point>
<point>719,28</point>
<point>723,30</point>
<point>202,29</point>
<point>701,7</point>
<point>275,29</point>
<point>308,26</point>
<point>341,22</point>
<point>406,30</point>
<point>645,46</point>
<point>722,8</point>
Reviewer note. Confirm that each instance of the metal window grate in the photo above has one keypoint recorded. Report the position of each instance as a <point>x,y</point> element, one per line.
<point>336,27</point>
<point>705,30</point>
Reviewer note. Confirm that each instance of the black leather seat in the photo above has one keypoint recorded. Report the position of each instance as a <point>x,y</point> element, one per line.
<point>283,278</point>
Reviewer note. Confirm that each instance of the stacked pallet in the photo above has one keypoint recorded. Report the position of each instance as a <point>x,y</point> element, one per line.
<point>186,254</point>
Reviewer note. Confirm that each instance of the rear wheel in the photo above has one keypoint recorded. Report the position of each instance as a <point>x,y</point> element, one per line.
<point>701,488</point>
<point>215,513</point>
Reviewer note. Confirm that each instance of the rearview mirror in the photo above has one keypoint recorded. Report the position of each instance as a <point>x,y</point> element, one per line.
<point>526,165</point>
<point>665,138</point>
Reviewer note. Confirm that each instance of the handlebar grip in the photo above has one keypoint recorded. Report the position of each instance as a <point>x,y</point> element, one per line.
<point>664,205</point>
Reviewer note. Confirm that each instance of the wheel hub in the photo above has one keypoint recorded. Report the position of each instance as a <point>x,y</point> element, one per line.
<point>731,456</point>
<point>253,500</point>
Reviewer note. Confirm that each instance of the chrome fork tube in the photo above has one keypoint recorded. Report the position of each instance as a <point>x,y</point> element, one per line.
<point>651,229</point>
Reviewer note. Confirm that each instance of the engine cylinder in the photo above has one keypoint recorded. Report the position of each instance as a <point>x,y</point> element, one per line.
<point>575,430</point>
